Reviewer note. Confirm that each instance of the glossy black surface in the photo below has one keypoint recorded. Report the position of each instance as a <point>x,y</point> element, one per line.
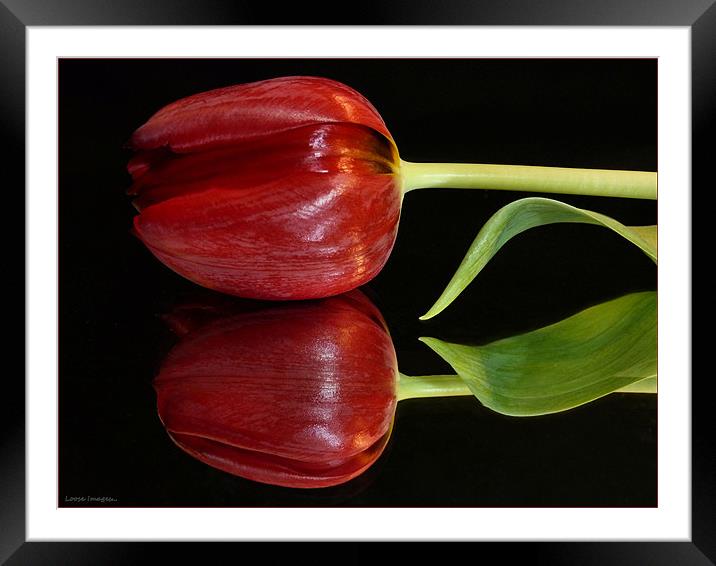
<point>444,452</point>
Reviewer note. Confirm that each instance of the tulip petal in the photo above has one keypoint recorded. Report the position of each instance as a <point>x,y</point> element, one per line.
<point>316,235</point>
<point>274,470</point>
<point>244,112</point>
<point>324,148</point>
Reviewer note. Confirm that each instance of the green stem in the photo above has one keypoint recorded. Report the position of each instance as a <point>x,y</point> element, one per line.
<point>593,182</point>
<point>410,387</point>
<point>414,387</point>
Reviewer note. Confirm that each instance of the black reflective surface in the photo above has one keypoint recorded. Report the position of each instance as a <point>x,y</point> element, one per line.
<point>443,452</point>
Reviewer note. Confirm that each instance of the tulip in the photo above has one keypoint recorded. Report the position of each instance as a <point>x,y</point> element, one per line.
<point>291,188</point>
<point>304,394</point>
<point>297,394</point>
<point>301,395</point>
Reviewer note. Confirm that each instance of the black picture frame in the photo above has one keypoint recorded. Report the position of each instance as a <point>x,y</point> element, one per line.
<point>698,15</point>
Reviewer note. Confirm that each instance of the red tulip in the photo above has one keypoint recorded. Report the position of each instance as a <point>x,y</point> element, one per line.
<point>281,189</point>
<point>291,188</point>
<point>299,395</point>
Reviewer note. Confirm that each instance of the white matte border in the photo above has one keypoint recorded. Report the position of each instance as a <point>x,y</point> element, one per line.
<point>669,521</point>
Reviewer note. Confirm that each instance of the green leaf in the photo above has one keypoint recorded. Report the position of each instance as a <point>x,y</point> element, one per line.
<point>522,215</point>
<point>648,385</point>
<point>598,351</point>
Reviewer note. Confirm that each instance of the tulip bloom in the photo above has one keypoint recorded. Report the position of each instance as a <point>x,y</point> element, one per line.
<point>283,189</point>
<point>291,188</point>
<point>299,395</point>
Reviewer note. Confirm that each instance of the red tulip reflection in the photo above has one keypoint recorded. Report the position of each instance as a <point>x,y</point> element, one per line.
<point>281,189</point>
<point>298,395</point>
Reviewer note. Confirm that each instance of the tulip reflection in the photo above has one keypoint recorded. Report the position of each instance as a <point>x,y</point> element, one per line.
<point>298,395</point>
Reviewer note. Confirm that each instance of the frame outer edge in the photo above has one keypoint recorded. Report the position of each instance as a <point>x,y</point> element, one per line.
<point>703,49</point>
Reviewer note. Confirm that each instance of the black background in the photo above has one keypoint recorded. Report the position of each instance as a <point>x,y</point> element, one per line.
<point>451,452</point>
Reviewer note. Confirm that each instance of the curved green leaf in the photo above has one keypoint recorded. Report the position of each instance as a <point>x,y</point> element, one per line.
<point>600,350</point>
<point>522,215</point>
